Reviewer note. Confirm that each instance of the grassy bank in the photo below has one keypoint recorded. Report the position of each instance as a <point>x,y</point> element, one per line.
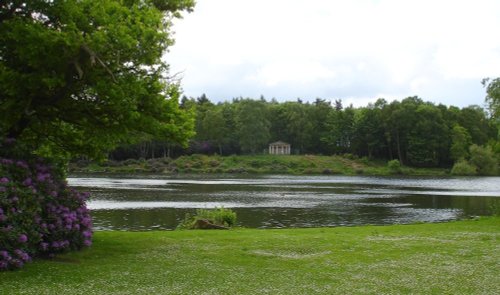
<point>448,258</point>
<point>263,164</point>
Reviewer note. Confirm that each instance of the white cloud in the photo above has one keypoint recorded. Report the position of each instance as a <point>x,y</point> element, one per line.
<point>338,48</point>
<point>283,72</point>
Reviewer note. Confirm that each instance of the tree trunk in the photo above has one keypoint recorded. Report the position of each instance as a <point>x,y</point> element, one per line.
<point>398,145</point>
<point>143,150</point>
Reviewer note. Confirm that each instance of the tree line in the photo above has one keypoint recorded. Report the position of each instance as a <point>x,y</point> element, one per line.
<point>413,131</point>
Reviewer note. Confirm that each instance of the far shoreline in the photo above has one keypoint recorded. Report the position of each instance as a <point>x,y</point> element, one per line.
<point>251,165</point>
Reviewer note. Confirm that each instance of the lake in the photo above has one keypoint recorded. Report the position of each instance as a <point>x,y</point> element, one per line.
<point>274,201</point>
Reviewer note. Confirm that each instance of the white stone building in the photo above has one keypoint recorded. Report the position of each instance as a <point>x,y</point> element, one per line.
<point>279,148</point>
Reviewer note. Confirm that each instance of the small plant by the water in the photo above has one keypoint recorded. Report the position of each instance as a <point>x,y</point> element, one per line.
<point>394,167</point>
<point>218,218</point>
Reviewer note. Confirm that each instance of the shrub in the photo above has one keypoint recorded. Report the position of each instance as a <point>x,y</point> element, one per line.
<point>256,164</point>
<point>166,160</point>
<point>237,170</point>
<point>495,209</point>
<point>39,214</point>
<point>365,160</point>
<point>214,163</point>
<point>394,167</point>
<point>218,216</point>
<point>154,165</point>
<point>197,164</point>
<point>111,163</point>
<point>484,159</point>
<point>328,171</point>
<point>131,162</point>
<point>462,167</point>
<point>350,156</point>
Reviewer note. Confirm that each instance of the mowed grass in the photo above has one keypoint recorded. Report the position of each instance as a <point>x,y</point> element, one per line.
<point>446,258</point>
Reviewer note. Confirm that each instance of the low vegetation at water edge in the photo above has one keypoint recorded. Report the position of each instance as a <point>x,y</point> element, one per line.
<point>263,164</point>
<point>218,218</point>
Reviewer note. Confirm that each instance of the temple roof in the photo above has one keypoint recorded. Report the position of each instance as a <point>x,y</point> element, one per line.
<point>279,143</point>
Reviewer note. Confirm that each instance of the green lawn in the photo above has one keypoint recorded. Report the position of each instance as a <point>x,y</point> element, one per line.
<point>447,258</point>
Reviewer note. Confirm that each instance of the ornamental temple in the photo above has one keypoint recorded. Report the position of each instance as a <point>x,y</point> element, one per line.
<point>279,148</point>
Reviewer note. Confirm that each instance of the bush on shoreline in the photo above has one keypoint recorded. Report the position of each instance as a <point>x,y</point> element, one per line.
<point>464,168</point>
<point>394,167</point>
<point>256,164</point>
<point>219,217</point>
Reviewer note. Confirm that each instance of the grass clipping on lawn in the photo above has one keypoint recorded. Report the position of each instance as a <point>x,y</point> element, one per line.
<point>446,258</point>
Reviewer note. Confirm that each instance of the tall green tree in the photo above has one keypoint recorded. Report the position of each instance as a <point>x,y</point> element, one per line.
<point>298,125</point>
<point>484,159</point>
<point>318,116</point>
<point>214,126</point>
<point>428,139</point>
<point>369,132</point>
<point>475,120</point>
<point>253,125</point>
<point>460,142</point>
<point>202,105</point>
<point>399,120</point>
<point>278,124</point>
<point>340,126</point>
<point>79,76</point>
<point>493,95</point>
<point>231,139</point>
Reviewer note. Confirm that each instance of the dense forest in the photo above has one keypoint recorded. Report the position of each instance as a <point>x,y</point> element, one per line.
<point>413,131</point>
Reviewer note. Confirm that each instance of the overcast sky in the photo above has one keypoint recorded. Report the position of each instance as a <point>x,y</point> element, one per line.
<point>356,51</point>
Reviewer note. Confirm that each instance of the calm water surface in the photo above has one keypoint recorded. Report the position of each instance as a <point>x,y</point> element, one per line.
<point>150,203</point>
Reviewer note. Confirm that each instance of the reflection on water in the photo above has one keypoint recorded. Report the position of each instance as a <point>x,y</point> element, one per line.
<point>287,201</point>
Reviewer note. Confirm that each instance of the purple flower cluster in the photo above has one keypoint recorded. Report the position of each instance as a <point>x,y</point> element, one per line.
<point>16,259</point>
<point>39,213</point>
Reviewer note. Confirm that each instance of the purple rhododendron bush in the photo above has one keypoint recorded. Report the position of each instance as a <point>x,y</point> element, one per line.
<point>39,214</point>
